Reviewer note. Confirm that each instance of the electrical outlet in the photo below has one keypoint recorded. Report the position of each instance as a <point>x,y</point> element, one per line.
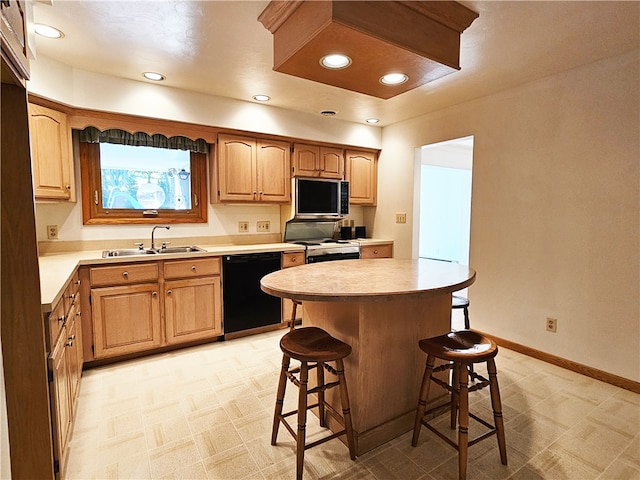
<point>52,232</point>
<point>263,226</point>
<point>401,218</point>
<point>552,324</point>
<point>243,226</point>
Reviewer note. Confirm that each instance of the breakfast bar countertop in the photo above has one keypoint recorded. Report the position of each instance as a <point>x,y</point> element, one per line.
<point>368,280</point>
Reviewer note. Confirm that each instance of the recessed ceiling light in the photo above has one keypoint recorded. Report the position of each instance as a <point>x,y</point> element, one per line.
<point>328,113</point>
<point>156,77</point>
<point>261,98</point>
<point>335,61</point>
<point>393,79</point>
<point>372,120</point>
<point>47,31</point>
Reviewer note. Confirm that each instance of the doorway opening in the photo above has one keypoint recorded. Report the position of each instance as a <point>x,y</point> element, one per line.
<point>442,225</point>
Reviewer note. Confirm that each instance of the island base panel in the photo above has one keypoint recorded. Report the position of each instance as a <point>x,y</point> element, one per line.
<point>384,370</point>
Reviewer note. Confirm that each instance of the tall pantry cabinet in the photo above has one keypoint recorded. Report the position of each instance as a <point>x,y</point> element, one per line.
<point>26,385</point>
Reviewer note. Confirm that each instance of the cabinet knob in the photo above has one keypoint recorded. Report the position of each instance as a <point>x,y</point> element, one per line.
<point>69,344</point>
<point>68,187</point>
<point>78,282</point>
<point>61,319</point>
<point>154,294</point>
<point>169,292</point>
<point>193,268</point>
<point>125,274</point>
<point>72,296</point>
<point>78,314</point>
<point>375,252</point>
<point>294,260</point>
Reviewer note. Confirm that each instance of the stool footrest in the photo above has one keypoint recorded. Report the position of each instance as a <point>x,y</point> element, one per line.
<point>330,410</point>
<point>492,430</point>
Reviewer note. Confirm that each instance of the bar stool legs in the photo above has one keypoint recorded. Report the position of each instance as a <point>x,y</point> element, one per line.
<point>461,350</point>
<point>299,344</point>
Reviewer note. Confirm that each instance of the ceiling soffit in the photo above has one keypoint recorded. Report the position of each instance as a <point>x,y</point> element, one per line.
<point>419,39</point>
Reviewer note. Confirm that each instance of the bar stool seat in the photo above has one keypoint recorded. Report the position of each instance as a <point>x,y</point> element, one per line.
<point>459,302</point>
<point>313,348</point>
<point>460,350</point>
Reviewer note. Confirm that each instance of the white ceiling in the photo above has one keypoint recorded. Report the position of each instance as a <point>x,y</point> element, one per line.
<point>220,48</point>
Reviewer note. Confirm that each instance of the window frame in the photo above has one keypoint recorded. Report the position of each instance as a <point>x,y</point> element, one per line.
<point>96,214</point>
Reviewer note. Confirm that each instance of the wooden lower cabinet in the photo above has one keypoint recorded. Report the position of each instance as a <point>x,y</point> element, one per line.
<point>63,329</point>
<point>126,319</point>
<point>292,259</point>
<point>142,306</point>
<point>60,398</point>
<point>192,309</point>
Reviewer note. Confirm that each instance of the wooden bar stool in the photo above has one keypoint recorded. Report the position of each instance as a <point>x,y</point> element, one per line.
<point>458,302</point>
<point>461,350</point>
<point>313,348</point>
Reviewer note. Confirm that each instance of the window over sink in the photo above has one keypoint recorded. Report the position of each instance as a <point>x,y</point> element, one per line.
<point>138,178</point>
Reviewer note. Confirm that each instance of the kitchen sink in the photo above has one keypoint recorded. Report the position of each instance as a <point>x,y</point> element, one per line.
<point>180,250</point>
<point>128,252</point>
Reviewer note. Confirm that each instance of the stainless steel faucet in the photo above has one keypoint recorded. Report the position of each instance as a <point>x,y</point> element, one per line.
<point>153,230</point>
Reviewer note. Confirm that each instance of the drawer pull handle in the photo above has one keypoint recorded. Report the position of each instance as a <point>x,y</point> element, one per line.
<point>193,268</point>
<point>78,314</point>
<point>72,296</point>
<point>375,252</point>
<point>169,292</point>
<point>78,282</point>
<point>69,344</point>
<point>61,319</point>
<point>294,260</point>
<point>125,274</point>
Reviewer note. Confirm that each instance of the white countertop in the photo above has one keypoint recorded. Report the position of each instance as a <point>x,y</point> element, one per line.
<point>56,269</point>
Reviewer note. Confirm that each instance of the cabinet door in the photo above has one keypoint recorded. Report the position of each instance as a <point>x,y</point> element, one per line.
<point>74,353</point>
<point>51,153</point>
<point>274,178</point>
<point>331,163</point>
<point>60,396</point>
<point>126,319</point>
<point>362,174</point>
<point>237,168</point>
<point>193,309</point>
<point>306,158</point>
<point>14,37</point>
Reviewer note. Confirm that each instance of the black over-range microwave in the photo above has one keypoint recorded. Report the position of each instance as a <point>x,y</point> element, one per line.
<point>321,197</point>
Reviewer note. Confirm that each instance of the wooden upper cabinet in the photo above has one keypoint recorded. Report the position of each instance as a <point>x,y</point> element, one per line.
<point>274,180</point>
<point>14,38</point>
<point>51,153</point>
<point>362,174</point>
<point>316,161</point>
<point>253,170</point>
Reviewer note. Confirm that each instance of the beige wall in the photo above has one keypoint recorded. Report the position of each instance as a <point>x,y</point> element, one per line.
<point>555,218</point>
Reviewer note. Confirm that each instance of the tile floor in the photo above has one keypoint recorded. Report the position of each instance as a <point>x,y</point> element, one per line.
<point>205,413</point>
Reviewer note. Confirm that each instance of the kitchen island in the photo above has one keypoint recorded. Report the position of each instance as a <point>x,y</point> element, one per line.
<point>381,308</point>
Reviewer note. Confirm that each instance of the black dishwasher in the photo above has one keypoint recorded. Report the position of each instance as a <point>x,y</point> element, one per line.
<point>245,305</point>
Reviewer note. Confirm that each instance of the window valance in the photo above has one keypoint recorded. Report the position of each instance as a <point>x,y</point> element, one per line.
<point>141,139</point>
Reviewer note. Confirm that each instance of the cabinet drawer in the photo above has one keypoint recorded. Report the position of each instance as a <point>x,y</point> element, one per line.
<point>192,268</point>
<point>376,251</point>
<point>71,292</point>
<point>124,274</point>
<point>55,322</point>
<point>292,259</point>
